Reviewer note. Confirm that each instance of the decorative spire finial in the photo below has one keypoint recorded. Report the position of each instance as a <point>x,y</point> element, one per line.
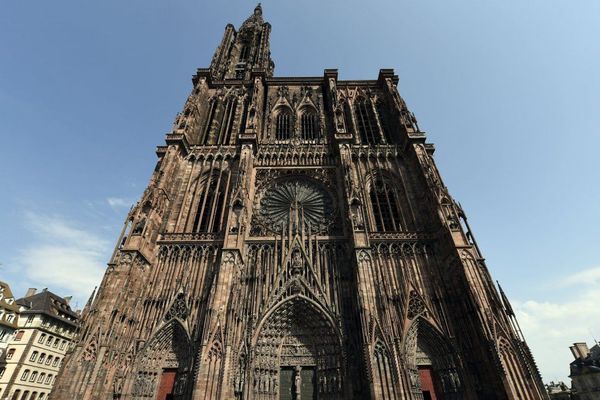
<point>258,10</point>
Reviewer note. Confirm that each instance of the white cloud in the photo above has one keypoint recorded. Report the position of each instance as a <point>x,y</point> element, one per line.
<point>119,202</point>
<point>589,276</point>
<point>550,327</point>
<point>66,259</point>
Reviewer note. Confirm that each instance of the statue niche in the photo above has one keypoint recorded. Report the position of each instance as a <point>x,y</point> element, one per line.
<point>297,354</point>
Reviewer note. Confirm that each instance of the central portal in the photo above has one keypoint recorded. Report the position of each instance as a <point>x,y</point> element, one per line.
<point>298,383</point>
<point>297,355</point>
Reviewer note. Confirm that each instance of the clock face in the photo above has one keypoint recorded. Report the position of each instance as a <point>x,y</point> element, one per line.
<point>297,202</point>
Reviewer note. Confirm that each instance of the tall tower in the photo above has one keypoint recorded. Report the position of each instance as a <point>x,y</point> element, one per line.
<point>296,241</point>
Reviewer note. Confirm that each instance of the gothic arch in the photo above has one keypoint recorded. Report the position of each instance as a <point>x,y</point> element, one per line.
<point>431,362</point>
<point>207,202</point>
<point>294,335</point>
<point>169,350</point>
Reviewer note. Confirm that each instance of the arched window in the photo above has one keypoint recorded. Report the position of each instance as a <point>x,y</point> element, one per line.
<point>244,52</point>
<point>33,356</point>
<point>42,358</point>
<point>206,133</point>
<point>10,354</point>
<point>227,121</point>
<point>34,376</point>
<point>41,378</point>
<point>49,360</point>
<point>309,125</point>
<point>283,125</point>
<point>25,374</point>
<point>367,123</point>
<point>385,206</point>
<point>210,199</point>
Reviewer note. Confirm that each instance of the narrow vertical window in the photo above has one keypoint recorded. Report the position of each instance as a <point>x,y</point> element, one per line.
<point>309,125</point>
<point>283,126</point>
<point>367,123</point>
<point>211,201</point>
<point>385,206</point>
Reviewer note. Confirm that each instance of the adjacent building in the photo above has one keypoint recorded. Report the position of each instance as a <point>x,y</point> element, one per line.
<point>585,372</point>
<point>46,325</point>
<point>296,242</point>
<point>559,391</point>
<point>9,311</point>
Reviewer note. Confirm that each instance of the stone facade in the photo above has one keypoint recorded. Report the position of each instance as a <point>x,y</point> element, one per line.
<point>46,325</point>
<point>296,241</point>
<point>585,372</point>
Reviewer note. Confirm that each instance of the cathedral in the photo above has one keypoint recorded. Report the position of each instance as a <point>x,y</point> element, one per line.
<point>296,242</point>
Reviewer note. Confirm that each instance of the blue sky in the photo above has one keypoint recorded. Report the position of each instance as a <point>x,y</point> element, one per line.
<point>509,91</point>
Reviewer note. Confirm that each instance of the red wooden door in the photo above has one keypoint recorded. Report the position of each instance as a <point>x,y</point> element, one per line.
<point>426,375</point>
<point>167,384</point>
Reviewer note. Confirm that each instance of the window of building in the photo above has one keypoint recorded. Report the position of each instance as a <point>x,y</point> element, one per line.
<point>49,341</point>
<point>16,394</point>
<point>25,395</point>
<point>2,370</point>
<point>42,396</point>
<point>385,206</point>
<point>10,354</point>
<point>41,378</point>
<point>367,123</point>
<point>244,53</point>
<point>29,320</point>
<point>42,338</point>
<point>25,374</point>
<point>42,358</point>
<point>55,363</point>
<point>309,125</point>
<point>10,317</point>
<point>33,356</point>
<point>210,198</point>
<point>34,376</point>
<point>62,344</point>
<point>34,396</point>
<point>19,335</point>
<point>283,125</point>
<point>2,335</point>
<point>49,360</point>
<point>48,379</point>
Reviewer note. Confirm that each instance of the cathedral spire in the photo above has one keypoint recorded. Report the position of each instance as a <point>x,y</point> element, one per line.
<point>245,50</point>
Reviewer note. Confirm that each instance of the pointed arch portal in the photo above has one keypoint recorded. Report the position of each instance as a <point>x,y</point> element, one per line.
<point>163,365</point>
<point>297,354</point>
<point>432,368</point>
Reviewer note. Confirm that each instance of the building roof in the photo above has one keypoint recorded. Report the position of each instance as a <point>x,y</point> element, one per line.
<point>7,302</point>
<point>587,365</point>
<point>49,304</point>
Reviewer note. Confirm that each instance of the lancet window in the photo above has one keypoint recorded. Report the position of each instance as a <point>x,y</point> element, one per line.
<point>220,122</point>
<point>283,125</point>
<point>309,125</point>
<point>385,205</point>
<point>210,203</point>
<point>366,121</point>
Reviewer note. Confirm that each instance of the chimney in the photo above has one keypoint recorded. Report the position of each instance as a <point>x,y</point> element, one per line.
<point>579,350</point>
<point>30,292</point>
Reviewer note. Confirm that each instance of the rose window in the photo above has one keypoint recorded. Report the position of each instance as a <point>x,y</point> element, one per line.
<point>296,203</point>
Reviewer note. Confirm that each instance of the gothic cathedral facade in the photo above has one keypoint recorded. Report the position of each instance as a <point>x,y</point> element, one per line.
<point>296,241</point>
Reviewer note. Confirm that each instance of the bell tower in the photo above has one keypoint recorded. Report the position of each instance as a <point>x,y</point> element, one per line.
<point>244,51</point>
